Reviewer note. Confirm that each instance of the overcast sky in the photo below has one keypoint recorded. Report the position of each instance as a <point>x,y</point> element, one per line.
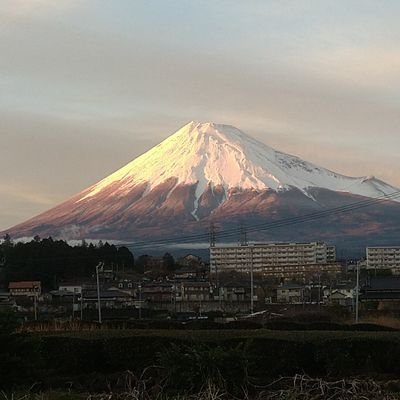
<point>88,85</point>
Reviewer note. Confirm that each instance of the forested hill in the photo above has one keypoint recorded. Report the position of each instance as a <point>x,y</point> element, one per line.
<point>51,261</point>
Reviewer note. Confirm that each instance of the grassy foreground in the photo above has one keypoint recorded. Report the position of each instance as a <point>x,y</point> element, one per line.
<point>299,387</point>
<point>190,362</point>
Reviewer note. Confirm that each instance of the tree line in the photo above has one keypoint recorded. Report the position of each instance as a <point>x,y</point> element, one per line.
<point>51,261</point>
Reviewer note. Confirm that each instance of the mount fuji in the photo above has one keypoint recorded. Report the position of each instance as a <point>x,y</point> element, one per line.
<point>207,172</point>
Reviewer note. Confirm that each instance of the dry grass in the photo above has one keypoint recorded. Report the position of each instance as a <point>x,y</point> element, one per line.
<point>302,387</point>
<point>299,387</point>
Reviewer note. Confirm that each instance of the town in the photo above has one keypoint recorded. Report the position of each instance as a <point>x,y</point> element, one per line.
<point>251,281</point>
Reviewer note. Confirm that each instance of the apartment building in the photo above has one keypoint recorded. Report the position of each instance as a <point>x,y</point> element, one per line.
<point>382,257</point>
<point>274,259</point>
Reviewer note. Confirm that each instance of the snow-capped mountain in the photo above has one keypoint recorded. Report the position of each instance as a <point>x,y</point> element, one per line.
<point>203,172</point>
<point>208,154</point>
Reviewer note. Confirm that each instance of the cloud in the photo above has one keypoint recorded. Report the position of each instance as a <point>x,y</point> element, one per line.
<point>25,194</point>
<point>20,202</point>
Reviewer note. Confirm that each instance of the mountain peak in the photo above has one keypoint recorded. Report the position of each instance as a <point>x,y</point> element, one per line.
<point>206,154</point>
<point>210,128</point>
<point>203,171</point>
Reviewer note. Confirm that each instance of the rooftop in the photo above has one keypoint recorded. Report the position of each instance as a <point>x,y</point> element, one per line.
<point>24,285</point>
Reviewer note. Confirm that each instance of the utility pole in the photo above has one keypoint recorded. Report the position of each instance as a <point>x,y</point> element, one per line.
<point>82,304</point>
<point>243,242</point>
<point>212,245</point>
<point>251,280</point>
<point>35,303</point>
<point>140,300</point>
<point>357,289</point>
<point>99,267</point>
<point>73,304</point>
<point>319,291</point>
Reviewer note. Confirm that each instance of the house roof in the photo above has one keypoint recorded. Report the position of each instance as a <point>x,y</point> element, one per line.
<point>186,269</point>
<point>237,284</point>
<point>24,285</point>
<point>67,293</point>
<point>156,284</point>
<point>107,294</point>
<point>337,293</point>
<point>196,283</point>
<point>290,286</point>
<point>380,296</point>
<point>344,286</point>
<point>382,283</point>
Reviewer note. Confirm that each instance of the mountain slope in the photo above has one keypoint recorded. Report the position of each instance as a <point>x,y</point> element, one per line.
<point>221,155</point>
<point>203,172</point>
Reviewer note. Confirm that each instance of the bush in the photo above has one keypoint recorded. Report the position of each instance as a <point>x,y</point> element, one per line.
<point>312,316</point>
<point>243,324</point>
<point>199,324</point>
<point>20,360</point>
<point>284,325</point>
<point>372,327</point>
<point>189,367</point>
<point>20,353</point>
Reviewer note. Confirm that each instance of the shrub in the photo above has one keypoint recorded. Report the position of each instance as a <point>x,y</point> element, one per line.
<point>199,324</point>
<point>243,324</point>
<point>372,327</point>
<point>189,367</point>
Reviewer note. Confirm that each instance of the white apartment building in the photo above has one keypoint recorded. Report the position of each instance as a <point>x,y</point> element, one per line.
<point>382,257</point>
<point>271,258</point>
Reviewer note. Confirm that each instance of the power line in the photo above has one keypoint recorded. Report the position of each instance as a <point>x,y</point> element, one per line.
<point>229,233</point>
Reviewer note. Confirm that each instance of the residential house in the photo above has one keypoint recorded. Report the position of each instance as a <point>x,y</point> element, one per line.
<point>290,293</point>
<point>381,293</point>
<point>156,292</point>
<point>341,294</point>
<point>70,287</point>
<point>195,290</point>
<point>25,288</point>
<point>110,298</point>
<point>338,298</point>
<point>6,302</point>
<point>190,260</point>
<point>237,291</point>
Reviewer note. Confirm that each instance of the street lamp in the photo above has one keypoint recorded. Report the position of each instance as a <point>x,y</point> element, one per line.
<point>99,267</point>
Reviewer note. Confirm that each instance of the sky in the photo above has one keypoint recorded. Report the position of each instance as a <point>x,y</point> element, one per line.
<point>88,85</point>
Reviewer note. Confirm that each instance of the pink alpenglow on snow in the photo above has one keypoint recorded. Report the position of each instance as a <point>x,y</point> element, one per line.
<point>207,172</point>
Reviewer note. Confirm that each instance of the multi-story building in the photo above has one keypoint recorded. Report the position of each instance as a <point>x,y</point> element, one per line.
<point>275,259</point>
<point>382,257</point>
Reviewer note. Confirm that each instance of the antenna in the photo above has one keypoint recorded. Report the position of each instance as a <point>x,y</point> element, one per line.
<point>212,234</point>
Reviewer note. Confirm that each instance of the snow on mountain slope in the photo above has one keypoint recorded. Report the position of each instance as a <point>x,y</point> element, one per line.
<point>208,172</point>
<point>222,155</point>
